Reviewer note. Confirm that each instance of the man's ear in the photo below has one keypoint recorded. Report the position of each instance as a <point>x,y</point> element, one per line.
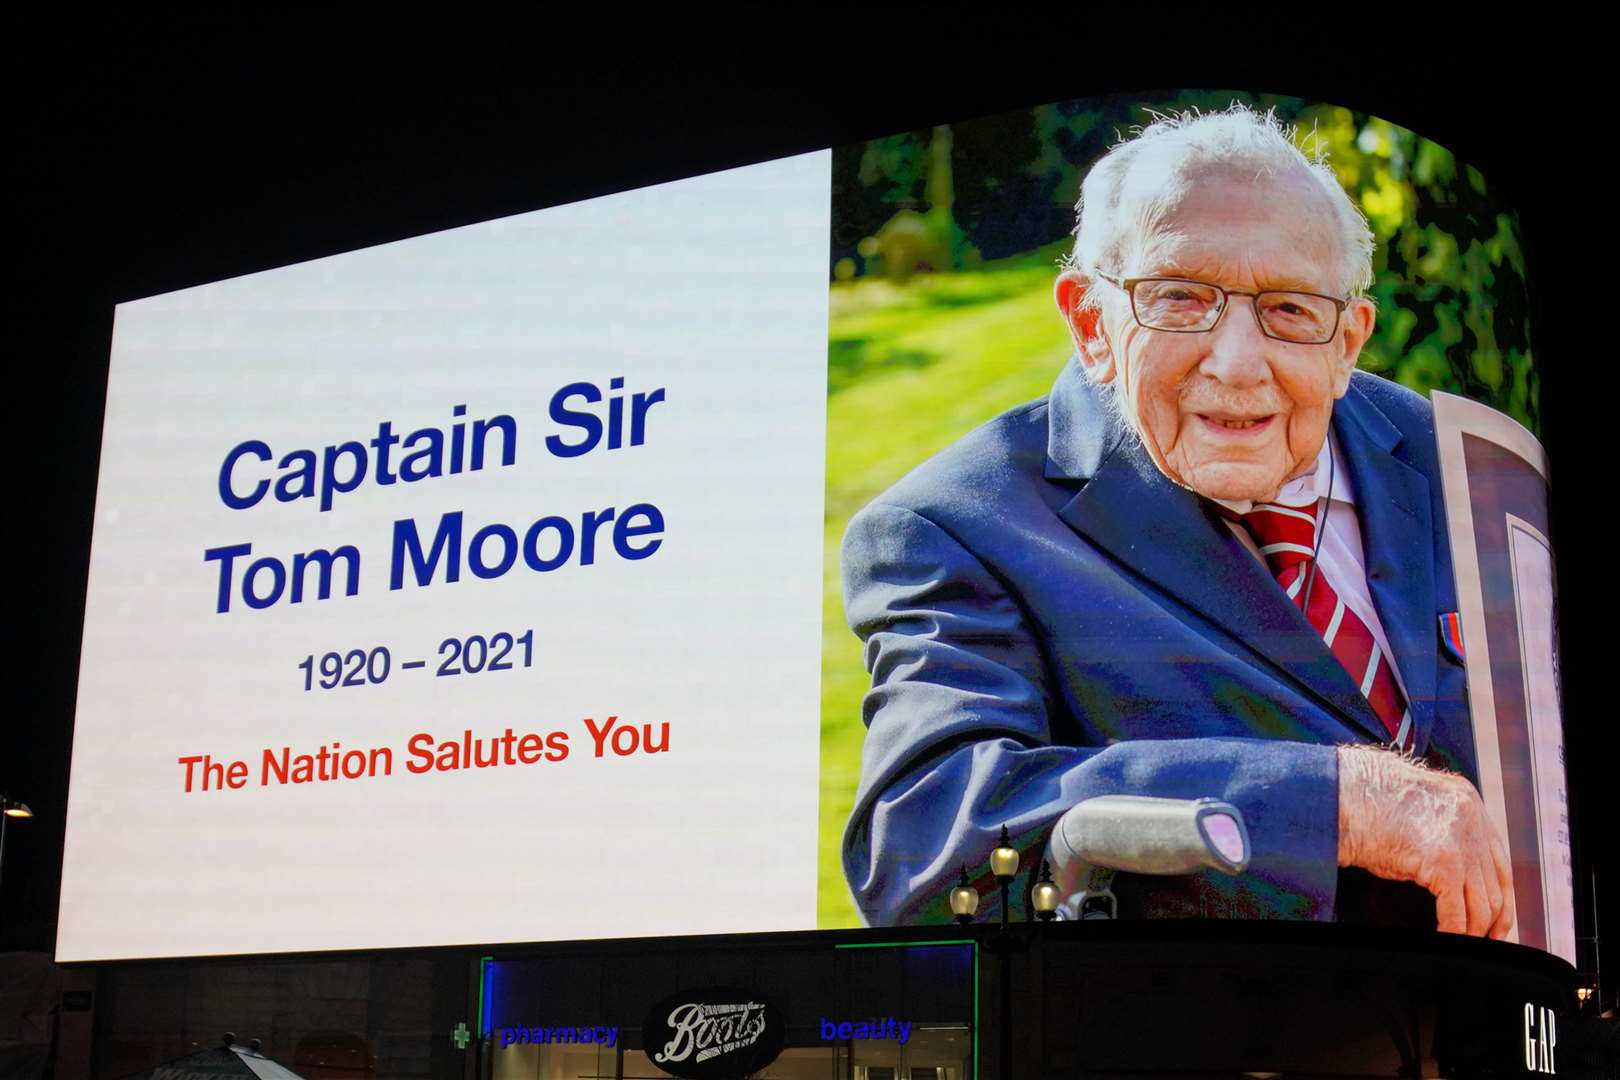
<point>1085,325</point>
<point>1357,326</point>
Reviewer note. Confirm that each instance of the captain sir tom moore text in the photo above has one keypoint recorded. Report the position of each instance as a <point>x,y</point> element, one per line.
<point>588,419</point>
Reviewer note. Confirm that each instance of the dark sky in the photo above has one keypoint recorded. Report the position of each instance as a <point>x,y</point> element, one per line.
<point>151,153</point>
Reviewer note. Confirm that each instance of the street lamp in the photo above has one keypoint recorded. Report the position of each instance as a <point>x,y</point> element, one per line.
<point>964,900</point>
<point>10,808</point>
<point>1046,896</point>
<point>1004,865</point>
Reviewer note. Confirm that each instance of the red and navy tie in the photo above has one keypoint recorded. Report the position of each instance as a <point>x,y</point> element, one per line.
<point>1286,536</point>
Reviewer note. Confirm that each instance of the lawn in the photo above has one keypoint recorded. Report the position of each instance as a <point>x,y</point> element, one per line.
<point>911,368</point>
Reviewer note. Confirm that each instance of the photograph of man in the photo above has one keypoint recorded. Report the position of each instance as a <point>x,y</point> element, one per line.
<point>1212,562</point>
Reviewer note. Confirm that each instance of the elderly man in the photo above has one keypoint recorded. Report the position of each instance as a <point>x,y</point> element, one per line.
<point>1210,563</point>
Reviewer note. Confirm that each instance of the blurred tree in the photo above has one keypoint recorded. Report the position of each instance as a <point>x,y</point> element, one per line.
<point>910,242</point>
<point>1450,277</point>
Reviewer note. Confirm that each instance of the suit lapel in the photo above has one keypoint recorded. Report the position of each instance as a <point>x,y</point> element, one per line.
<point>1167,536</point>
<point>1397,541</point>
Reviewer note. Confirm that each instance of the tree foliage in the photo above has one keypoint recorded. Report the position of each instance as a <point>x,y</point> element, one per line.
<point>1450,276</point>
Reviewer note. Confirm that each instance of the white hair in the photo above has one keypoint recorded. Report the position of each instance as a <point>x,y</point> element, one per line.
<point>1107,231</point>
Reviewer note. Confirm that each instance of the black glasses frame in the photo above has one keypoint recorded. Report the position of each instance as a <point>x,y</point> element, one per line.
<point>1130,284</point>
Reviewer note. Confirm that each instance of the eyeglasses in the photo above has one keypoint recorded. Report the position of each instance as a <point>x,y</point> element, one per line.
<point>1178,306</point>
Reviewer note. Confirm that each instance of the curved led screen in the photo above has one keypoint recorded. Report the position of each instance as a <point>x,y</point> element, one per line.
<point>1158,481</point>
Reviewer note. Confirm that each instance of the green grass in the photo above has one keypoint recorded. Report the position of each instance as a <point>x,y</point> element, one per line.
<point>911,368</point>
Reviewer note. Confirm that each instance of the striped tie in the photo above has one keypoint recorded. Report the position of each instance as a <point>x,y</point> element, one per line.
<point>1286,536</point>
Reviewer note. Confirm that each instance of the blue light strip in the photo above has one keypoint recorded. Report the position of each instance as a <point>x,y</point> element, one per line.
<point>486,976</point>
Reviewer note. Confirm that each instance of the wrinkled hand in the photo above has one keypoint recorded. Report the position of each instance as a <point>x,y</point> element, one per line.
<point>1403,821</point>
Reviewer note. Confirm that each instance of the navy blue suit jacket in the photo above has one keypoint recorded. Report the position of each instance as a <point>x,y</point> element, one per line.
<point>1047,618</point>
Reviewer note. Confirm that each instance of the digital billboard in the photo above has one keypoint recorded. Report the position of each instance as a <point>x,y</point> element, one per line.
<point>747,552</point>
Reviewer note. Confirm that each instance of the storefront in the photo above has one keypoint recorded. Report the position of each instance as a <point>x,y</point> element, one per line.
<point>835,1006</point>
<point>1188,999</point>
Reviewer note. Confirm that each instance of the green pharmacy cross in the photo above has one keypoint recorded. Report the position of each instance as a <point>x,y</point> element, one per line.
<point>461,1036</point>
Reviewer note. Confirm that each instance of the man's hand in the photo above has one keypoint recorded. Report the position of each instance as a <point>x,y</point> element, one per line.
<point>1403,821</point>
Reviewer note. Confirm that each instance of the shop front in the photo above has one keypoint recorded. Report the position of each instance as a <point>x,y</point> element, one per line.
<point>1059,1001</point>
<point>805,1009</point>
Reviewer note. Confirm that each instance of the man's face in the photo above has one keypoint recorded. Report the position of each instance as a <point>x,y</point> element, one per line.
<point>1230,412</point>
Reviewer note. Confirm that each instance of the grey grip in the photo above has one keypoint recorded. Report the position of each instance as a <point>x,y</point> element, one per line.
<point>1143,835</point>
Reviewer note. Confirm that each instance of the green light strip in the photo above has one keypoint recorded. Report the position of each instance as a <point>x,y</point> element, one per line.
<point>976,1010</point>
<point>483,977</point>
<point>903,944</point>
<point>952,941</point>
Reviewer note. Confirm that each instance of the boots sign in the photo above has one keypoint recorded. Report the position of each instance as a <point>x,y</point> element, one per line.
<point>713,1034</point>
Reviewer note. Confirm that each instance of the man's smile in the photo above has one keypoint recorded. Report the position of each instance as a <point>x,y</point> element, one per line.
<point>1228,425</point>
